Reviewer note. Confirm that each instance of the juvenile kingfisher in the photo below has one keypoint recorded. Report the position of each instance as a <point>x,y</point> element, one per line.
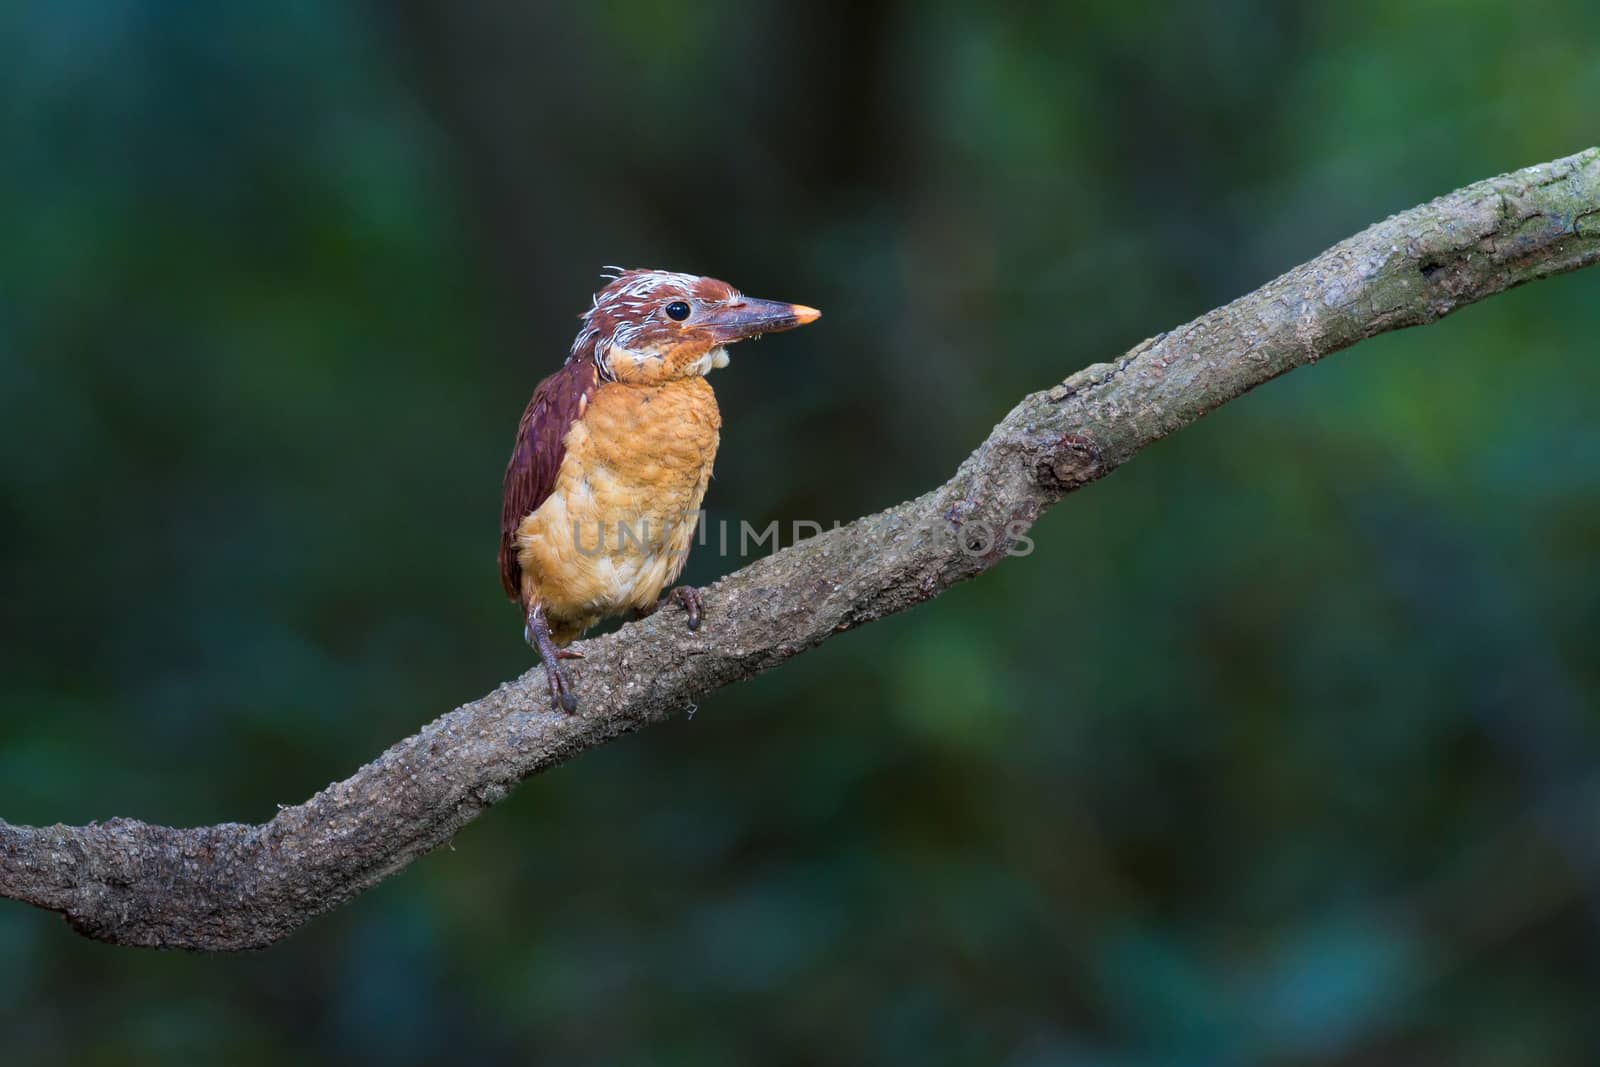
<point>603,490</point>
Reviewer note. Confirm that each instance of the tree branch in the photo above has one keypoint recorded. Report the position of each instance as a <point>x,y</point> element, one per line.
<point>235,886</point>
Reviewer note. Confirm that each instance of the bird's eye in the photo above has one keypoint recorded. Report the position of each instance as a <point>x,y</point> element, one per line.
<point>677,310</point>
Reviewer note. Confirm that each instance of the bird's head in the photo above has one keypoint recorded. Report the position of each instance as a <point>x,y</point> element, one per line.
<point>650,326</point>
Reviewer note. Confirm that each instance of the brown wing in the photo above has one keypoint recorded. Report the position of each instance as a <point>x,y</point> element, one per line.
<point>531,473</point>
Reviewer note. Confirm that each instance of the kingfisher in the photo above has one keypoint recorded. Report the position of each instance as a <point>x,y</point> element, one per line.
<point>602,493</point>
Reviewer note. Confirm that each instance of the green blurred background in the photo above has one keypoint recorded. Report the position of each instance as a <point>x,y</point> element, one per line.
<point>1280,748</point>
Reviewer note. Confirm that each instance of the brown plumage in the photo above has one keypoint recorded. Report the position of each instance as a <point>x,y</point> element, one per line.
<point>531,473</point>
<point>614,453</point>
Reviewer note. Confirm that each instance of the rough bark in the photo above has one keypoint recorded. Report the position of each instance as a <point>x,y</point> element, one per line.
<point>238,886</point>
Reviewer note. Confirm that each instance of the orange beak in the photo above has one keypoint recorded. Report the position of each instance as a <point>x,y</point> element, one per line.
<point>746,318</point>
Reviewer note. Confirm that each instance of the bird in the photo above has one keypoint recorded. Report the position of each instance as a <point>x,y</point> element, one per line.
<point>613,455</point>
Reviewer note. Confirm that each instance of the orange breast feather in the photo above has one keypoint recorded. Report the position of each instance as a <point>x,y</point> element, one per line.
<point>616,526</point>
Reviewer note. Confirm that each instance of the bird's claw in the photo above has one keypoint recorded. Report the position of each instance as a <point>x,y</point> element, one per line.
<point>686,596</point>
<point>693,604</point>
<point>561,694</point>
<point>537,631</point>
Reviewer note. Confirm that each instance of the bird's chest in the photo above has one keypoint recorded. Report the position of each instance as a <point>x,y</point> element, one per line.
<point>622,517</point>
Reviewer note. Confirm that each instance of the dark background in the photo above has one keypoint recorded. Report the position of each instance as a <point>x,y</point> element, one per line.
<point>1279,749</point>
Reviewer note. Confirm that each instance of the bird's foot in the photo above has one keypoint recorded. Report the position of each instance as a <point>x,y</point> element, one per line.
<point>561,694</point>
<point>689,597</point>
<point>555,675</point>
